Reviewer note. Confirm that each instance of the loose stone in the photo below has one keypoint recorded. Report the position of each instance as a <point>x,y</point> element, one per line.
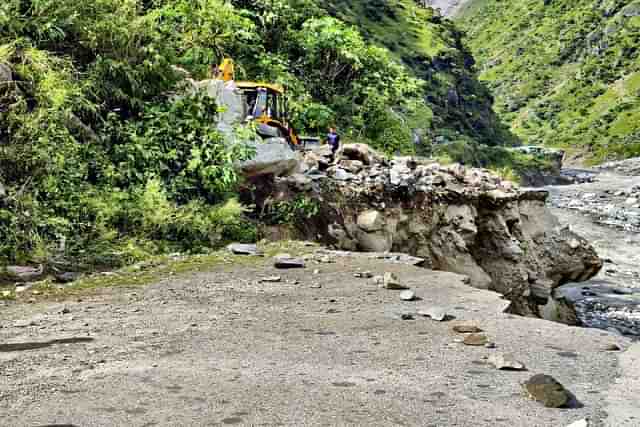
<point>467,329</point>
<point>475,340</point>
<point>547,390</point>
<point>407,295</point>
<point>390,281</point>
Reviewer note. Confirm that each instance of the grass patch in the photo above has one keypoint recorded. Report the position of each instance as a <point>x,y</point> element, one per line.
<point>153,271</point>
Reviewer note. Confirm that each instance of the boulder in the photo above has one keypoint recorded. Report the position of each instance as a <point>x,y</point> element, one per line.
<point>362,153</point>
<point>371,221</point>
<point>548,391</point>
<point>273,156</point>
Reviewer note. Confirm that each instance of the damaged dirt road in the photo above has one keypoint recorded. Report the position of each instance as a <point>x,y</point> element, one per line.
<point>318,347</point>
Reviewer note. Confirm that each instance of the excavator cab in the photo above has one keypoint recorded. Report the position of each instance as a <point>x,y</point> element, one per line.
<point>267,106</point>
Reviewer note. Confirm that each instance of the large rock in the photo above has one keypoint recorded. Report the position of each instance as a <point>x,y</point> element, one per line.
<point>274,156</point>
<point>548,391</point>
<point>362,153</point>
<point>457,219</point>
<point>228,96</point>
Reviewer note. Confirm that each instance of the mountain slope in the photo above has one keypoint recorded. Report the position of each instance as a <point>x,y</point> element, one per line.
<point>564,72</point>
<point>432,47</point>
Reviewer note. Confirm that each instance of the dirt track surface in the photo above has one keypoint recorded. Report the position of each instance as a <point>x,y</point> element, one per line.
<point>219,348</point>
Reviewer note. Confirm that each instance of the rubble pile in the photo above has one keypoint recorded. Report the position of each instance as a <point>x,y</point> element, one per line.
<point>463,220</point>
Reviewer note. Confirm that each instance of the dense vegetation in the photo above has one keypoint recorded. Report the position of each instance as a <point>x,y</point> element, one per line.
<point>564,72</point>
<point>99,165</point>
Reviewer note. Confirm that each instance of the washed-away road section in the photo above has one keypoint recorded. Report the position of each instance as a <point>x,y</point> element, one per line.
<point>319,346</point>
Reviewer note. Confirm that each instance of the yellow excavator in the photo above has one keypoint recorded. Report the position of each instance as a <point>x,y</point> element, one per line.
<point>266,105</point>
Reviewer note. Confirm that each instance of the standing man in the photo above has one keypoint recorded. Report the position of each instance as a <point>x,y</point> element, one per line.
<point>333,139</point>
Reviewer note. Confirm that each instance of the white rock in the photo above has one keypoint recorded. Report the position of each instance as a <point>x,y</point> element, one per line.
<point>581,423</point>
<point>371,221</point>
<point>407,295</point>
<point>436,313</point>
<point>390,281</point>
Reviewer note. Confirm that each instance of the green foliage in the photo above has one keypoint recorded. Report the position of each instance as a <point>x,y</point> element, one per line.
<point>103,164</point>
<point>295,211</point>
<point>565,73</point>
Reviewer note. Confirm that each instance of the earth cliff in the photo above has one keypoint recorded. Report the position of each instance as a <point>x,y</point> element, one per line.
<point>462,220</point>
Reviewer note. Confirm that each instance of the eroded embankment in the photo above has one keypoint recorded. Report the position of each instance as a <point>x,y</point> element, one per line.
<point>462,220</point>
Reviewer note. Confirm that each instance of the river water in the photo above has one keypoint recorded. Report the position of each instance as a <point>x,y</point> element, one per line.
<point>604,212</point>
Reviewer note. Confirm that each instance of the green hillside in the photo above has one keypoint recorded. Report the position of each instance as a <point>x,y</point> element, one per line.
<point>100,166</point>
<point>432,47</point>
<point>564,72</point>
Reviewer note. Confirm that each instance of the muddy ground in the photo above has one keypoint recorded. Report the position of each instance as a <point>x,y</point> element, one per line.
<point>219,347</point>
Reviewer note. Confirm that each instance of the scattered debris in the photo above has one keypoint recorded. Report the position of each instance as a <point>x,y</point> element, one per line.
<point>407,295</point>
<point>467,329</point>
<point>475,340</point>
<point>286,261</point>
<point>271,279</point>
<point>363,275</point>
<point>506,362</point>
<point>435,313</point>
<point>547,390</point>
<point>390,281</point>
<point>244,249</point>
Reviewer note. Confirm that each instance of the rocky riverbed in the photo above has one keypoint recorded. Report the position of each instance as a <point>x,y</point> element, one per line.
<point>607,213</point>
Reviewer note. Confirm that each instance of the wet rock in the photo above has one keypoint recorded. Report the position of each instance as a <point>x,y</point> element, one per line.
<point>506,362</point>
<point>438,314</point>
<point>596,304</point>
<point>286,261</point>
<point>547,390</point>
<point>390,281</point>
<point>243,249</point>
<point>407,295</point>
<point>477,340</point>
<point>466,329</point>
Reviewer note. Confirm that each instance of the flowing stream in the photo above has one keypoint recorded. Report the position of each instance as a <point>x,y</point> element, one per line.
<point>607,213</point>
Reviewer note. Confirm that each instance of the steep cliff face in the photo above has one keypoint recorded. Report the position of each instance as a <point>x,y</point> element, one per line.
<point>564,72</point>
<point>461,220</point>
<point>431,46</point>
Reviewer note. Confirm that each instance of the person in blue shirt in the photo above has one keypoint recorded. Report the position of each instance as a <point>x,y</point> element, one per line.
<point>333,139</point>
